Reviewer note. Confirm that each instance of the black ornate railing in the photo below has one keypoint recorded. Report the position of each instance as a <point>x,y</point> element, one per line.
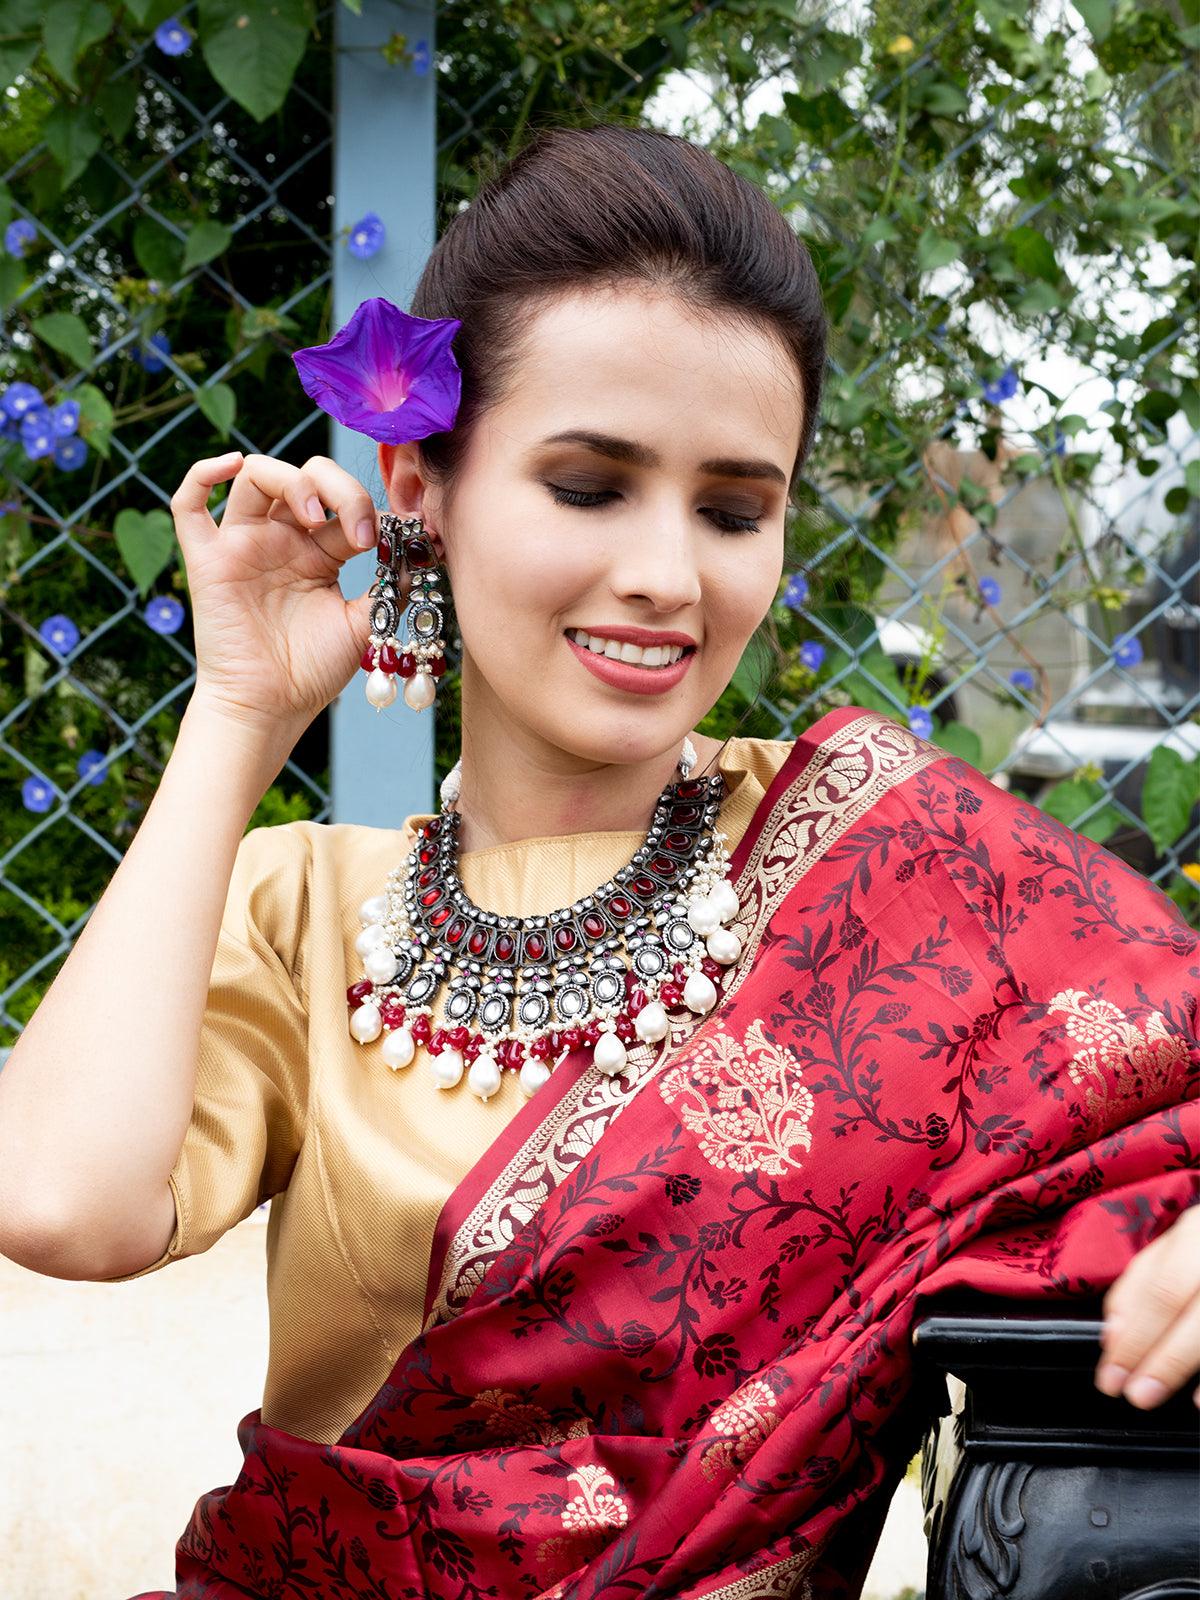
<point>1036,1485</point>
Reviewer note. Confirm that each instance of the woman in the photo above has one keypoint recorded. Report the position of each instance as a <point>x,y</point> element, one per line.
<point>635,1319</point>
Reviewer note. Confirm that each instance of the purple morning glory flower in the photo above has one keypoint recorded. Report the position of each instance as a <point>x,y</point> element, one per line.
<point>920,722</point>
<point>70,454</point>
<point>164,614</point>
<point>1060,442</point>
<point>92,765</point>
<point>171,37</point>
<point>387,374</point>
<point>1003,387</point>
<point>9,505</point>
<point>366,236</point>
<point>420,57</point>
<point>36,794</point>
<point>60,633</point>
<point>37,433</point>
<point>1127,650</point>
<point>1021,678</point>
<point>19,398</point>
<point>795,591</point>
<point>812,655</point>
<point>147,358</point>
<point>989,591</point>
<point>17,235</point>
<point>65,416</point>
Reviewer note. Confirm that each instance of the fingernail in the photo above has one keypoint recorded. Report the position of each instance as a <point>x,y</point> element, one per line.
<point>364,534</point>
<point>314,509</point>
<point>1146,1392</point>
<point>1110,1379</point>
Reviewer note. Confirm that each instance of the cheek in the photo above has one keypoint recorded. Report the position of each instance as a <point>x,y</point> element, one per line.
<point>742,584</point>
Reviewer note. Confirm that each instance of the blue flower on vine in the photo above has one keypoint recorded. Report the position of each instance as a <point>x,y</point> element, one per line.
<point>1127,650</point>
<point>70,454</point>
<point>164,614</point>
<point>60,633</point>
<point>92,765</point>
<point>19,398</point>
<point>366,236</point>
<point>420,57</point>
<point>795,591</point>
<point>37,433</point>
<point>1021,678</point>
<point>65,416</point>
<point>17,235</point>
<point>812,654</point>
<point>989,591</point>
<point>157,345</point>
<point>387,373</point>
<point>920,722</point>
<point>36,794</point>
<point>1002,388</point>
<point>171,37</point>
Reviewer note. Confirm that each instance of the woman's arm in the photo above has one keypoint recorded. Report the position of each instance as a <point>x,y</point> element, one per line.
<point>96,1097</point>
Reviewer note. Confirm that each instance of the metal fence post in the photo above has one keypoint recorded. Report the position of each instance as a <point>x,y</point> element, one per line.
<point>385,160</point>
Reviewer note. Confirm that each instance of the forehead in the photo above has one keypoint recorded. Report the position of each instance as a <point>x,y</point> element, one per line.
<point>649,361</point>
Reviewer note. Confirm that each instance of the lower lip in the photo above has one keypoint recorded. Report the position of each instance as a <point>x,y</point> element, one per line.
<point>634,680</point>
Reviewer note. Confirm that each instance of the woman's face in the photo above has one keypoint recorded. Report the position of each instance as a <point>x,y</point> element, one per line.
<point>616,534</point>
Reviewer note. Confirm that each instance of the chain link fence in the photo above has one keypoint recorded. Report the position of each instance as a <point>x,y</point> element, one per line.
<point>975,555</point>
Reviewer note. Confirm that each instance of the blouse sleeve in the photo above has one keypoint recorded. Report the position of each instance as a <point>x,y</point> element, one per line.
<point>251,1096</point>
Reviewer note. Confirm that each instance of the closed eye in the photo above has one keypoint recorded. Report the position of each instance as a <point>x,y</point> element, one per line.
<point>585,499</point>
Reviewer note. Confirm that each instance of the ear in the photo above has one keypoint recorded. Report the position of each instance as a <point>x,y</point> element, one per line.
<point>406,488</point>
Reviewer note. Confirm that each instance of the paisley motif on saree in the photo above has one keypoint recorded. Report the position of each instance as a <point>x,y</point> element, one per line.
<point>666,1350</point>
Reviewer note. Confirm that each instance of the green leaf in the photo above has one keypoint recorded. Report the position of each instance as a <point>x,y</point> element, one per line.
<point>206,240</point>
<point>1038,298</point>
<point>116,102</point>
<point>1169,792</point>
<point>882,229</point>
<point>219,404</point>
<point>68,28</point>
<point>1098,15</point>
<point>12,276</point>
<point>1033,254</point>
<point>935,251</point>
<point>146,542</point>
<point>959,740</point>
<point>159,253</point>
<point>945,99</point>
<point>73,137</point>
<point>95,417</point>
<point>1067,802</point>
<point>65,332</point>
<point>18,17</point>
<point>253,47</point>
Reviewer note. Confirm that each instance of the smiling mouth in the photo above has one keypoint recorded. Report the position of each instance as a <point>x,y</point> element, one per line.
<point>634,655</point>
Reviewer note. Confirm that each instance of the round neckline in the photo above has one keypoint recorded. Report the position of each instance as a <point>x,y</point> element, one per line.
<point>727,764</point>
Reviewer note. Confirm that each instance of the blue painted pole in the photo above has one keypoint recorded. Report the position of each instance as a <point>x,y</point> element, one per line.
<point>385,160</point>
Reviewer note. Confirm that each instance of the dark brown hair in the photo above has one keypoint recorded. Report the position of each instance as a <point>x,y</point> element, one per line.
<point>603,206</point>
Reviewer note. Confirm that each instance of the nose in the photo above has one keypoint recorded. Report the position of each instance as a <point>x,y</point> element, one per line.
<point>659,566</point>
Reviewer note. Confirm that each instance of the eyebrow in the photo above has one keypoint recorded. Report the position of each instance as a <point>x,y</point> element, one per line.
<point>640,455</point>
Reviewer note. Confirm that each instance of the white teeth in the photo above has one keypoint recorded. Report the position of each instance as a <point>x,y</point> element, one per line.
<point>663,655</point>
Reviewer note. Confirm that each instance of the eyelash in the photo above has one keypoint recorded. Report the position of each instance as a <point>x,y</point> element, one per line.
<point>590,499</point>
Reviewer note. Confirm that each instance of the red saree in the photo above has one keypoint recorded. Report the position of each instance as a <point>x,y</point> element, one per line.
<point>666,1351</point>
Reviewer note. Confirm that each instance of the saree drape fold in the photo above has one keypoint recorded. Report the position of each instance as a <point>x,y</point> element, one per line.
<point>667,1343</point>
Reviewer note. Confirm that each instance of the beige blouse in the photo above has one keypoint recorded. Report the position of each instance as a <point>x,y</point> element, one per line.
<point>357,1159</point>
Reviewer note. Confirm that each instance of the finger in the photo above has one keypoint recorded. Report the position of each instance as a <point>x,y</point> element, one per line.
<point>189,503</point>
<point>1170,1362</point>
<point>1142,1304</point>
<point>307,491</point>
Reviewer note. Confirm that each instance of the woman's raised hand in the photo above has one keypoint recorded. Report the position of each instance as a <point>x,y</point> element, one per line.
<point>275,638</point>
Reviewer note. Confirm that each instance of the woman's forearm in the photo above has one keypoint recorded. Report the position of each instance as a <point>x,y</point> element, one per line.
<point>96,1097</point>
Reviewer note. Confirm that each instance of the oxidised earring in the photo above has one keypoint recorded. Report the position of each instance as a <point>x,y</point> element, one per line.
<point>420,659</point>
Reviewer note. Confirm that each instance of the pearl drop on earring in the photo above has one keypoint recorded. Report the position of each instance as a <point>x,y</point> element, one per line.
<point>420,691</point>
<point>381,689</point>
